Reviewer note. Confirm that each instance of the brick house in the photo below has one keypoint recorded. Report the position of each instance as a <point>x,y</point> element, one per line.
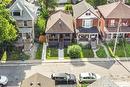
<point>110,15</point>
<point>25,15</point>
<point>59,29</point>
<point>86,22</point>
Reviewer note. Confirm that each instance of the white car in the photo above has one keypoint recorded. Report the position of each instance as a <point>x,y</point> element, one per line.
<point>88,77</point>
<point>3,80</point>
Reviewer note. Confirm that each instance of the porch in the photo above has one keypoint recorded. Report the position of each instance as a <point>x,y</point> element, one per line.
<point>111,33</point>
<point>87,35</point>
<point>59,39</point>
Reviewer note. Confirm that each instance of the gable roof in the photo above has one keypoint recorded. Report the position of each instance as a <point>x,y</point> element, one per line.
<point>81,8</point>
<point>29,10</point>
<point>103,82</point>
<point>115,10</point>
<point>38,78</point>
<point>60,22</point>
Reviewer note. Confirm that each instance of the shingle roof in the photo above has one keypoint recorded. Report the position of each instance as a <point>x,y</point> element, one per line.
<point>103,82</point>
<point>81,8</point>
<point>38,78</point>
<point>115,10</point>
<point>60,22</point>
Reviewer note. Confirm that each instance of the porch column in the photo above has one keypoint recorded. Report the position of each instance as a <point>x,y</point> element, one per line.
<point>58,37</point>
<point>46,37</point>
<point>77,37</point>
<point>97,39</point>
<point>112,36</point>
<point>70,37</point>
<point>89,37</point>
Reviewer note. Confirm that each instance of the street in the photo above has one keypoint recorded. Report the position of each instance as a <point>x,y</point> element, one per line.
<point>109,69</point>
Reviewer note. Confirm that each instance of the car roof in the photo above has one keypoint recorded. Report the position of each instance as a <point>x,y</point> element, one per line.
<point>86,74</point>
<point>59,74</point>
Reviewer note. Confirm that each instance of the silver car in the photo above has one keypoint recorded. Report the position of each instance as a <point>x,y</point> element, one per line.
<point>3,80</point>
<point>88,77</point>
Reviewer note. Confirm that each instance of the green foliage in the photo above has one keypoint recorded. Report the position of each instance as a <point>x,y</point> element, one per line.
<point>96,3</point>
<point>101,53</point>
<point>39,52</point>
<point>7,30</point>
<point>74,51</point>
<point>68,7</point>
<point>4,57</point>
<point>52,53</point>
<point>41,23</point>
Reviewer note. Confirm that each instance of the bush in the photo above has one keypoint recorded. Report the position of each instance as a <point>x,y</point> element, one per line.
<point>68,7</point>
<point>4,57</point>
<point>74,51</point>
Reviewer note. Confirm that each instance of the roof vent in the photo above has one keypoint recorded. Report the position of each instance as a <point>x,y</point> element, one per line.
<point>38,83</point>
<point>31,84</point>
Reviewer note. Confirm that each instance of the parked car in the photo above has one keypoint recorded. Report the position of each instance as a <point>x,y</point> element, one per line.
<point>64,78</point>
<point>88,77</point>
<point>3,80</point>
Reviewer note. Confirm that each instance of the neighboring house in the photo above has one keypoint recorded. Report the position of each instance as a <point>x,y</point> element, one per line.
<point>25,15</point>
<point>62,1</point>
<point>103,82</point>
<point>111,1</point>
<point>59,30</point>
<point>86,23</point>
<point>38,80</point>
<point>109,21</point>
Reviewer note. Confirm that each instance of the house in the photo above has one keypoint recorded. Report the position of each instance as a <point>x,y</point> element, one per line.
<point>114,15</point>
<point>59,29</point>
<point>103,82</point>
<point>38,80</point>
<point>25,15</point>
<point>86,23</point>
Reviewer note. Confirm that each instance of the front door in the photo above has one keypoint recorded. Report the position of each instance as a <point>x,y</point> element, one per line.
<point>61,38</point>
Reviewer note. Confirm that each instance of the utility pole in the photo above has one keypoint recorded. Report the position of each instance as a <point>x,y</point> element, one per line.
<point>117,33</point>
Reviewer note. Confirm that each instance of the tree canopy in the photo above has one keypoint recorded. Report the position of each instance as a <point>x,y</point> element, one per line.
<point>8,30</point>
<point>96,3</point>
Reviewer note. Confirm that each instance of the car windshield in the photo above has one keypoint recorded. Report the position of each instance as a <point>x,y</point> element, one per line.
<point>67,75</point>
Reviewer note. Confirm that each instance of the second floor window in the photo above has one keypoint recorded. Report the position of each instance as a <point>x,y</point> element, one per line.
<point>87,23</point>
<point>112,23</point>
<point>16,13</point>
<point>25,23</point>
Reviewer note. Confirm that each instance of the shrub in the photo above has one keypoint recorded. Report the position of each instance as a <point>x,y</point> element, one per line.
<point>68,7</point>
<point>4,57</point>
<point>74,51</point>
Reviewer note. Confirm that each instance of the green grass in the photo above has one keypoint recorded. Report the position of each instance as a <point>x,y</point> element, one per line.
<point>101,53</point>
<point>87,52</point>
<point>127,49</point>
<point>52,53</point>
<point>39,52</point>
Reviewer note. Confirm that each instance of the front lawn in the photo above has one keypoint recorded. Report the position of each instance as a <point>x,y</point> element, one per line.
<point>39,51</point>
<point>52,53</point>
<point>119,48</point>
<point>87,52</point>
<point>127,49</point>
<point>101,52</point>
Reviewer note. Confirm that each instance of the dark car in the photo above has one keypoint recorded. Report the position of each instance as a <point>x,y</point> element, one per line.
<point>64,78</point>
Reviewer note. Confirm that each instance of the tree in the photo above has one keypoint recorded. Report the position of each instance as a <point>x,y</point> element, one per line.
<point>74,51</point>
<point>8,32</point>
<point>96,3</point>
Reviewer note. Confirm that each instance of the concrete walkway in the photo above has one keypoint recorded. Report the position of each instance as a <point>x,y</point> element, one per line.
<point>108,55</point>
<point>60,54</point>
<point>44,51</point>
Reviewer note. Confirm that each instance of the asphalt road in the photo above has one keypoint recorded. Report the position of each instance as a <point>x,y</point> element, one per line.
<point>110,69</point>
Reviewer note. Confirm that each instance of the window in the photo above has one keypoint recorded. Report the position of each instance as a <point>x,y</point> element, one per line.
<point>88,14</point>
<point>25,23</point>
<point>112,24</point>
<point>87,23</point>
<point>16,13</point>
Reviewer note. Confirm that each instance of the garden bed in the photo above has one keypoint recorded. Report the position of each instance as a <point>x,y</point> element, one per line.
<point>39,51</point>
<point>101,52</point>
<point>52,53</point>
